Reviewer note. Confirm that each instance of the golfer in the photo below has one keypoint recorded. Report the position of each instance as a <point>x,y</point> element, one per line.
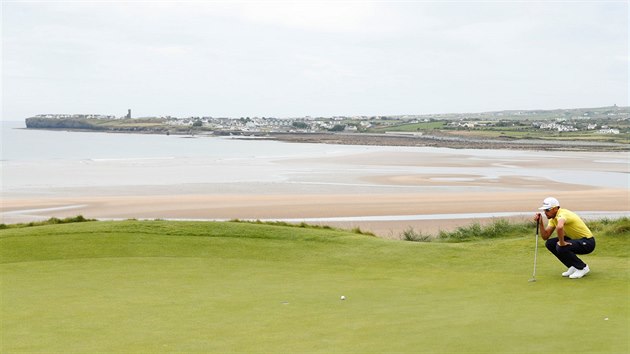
<point>574,237</point>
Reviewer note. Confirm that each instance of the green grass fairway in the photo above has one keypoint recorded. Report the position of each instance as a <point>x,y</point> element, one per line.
<point>158,286</point>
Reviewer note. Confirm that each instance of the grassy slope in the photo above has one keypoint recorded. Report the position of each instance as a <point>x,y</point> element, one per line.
<point>230,287</point>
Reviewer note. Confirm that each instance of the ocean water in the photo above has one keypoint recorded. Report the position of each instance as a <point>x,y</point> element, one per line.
<point>21,144</point>
<point>44,162</point>
<point>49,163</point>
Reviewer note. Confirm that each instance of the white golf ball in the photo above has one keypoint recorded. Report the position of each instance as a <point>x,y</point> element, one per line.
<point>343,297</point>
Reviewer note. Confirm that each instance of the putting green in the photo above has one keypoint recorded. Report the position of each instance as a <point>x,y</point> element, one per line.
<point>231,287</point>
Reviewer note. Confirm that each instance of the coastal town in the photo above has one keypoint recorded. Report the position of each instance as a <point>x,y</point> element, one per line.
<point>612,120</point>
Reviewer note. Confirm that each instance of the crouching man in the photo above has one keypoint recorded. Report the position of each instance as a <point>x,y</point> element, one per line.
<point>574,237</point>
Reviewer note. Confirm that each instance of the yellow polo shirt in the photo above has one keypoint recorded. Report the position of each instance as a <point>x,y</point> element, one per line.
<point>574,227</point>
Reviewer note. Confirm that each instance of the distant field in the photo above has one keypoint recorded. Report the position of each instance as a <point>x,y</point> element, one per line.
<point>413,127</point>
<point>158,286</point>
<point>507,132</point>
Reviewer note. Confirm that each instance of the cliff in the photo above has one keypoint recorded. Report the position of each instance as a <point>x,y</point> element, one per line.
<point>61,123</point>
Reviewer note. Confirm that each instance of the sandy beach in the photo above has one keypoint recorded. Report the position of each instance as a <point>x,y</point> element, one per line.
<point>382,192</point>
<point>297,207</point>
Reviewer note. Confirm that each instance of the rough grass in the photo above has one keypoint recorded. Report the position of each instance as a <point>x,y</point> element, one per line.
<point>502,228</point>
<point>161,286</point>
<point>499,228</point>
<point>50,221</point>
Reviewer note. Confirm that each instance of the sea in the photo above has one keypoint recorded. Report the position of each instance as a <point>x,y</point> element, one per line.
<point>21,144</point>
<point>48,161</point>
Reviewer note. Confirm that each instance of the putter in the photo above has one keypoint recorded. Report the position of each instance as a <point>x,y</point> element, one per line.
<point>533,279</point>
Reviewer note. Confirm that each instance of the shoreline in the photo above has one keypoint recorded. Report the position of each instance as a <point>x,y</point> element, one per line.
<point>447,141</point>
<point>441,140</point>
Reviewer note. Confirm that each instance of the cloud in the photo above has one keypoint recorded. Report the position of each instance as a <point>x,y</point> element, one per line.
<point>327,16</point>
<point>313,57</point>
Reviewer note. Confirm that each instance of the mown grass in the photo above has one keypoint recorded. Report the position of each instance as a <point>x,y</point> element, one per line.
<point>164,286</point>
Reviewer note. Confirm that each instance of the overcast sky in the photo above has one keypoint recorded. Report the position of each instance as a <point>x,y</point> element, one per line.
<point>317,58</point>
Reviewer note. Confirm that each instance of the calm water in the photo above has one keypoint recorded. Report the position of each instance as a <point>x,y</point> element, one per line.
<point>40,162</point>
<point>21,144</point>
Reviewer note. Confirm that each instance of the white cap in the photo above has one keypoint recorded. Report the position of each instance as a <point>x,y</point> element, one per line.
<point>549,203</point>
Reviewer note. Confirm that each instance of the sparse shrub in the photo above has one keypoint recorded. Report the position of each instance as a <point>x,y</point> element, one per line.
<point>51,221</point>
<point>612,227</point>
<point>410,234</point>
<point>623,226</point>
<point>79,218</point>
<point>498,229</point>
<point>597,226</point>
<point>300,225</point>
<point>357,230</point>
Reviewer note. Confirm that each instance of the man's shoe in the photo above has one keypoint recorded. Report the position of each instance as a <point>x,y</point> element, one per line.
<point>569,271</point>
<point>579,273</point>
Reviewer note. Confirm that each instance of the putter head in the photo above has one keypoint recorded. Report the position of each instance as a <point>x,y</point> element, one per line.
<point>532,280</point>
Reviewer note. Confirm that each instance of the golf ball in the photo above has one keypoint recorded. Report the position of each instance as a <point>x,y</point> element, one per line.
<point>342,297</point>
